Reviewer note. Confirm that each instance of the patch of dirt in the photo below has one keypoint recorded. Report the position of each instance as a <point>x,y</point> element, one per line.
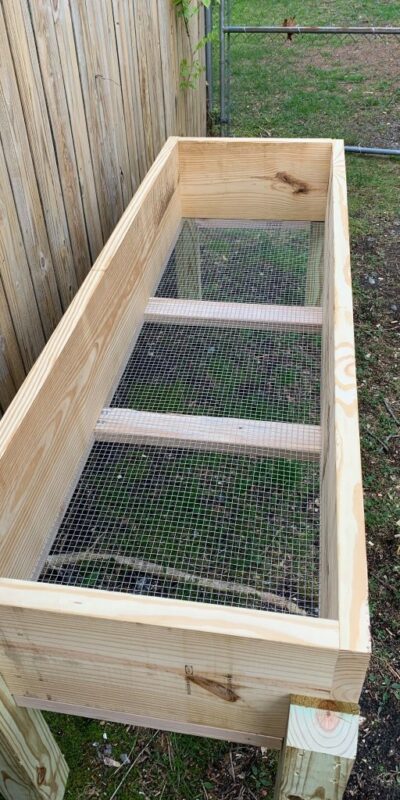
<point>376,57</point>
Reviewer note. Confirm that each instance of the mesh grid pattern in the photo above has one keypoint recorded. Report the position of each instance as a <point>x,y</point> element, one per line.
<point>223,372</point>
<point>232,525</point>
<point>246,527</point>
<point>241,261</point>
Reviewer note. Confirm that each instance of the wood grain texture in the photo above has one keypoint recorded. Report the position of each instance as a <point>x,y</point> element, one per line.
<point>319,750</point>
<point>18,286</point>
<point>189,728</point>
<point>140,655</point>
<point>12,372</point>
<point>101,86</point>
<point>41,14</point>
<point>31,764</point>
<point>88,93</point>
<point>22,176</point>
<point>234,315</point>
<point>51,423</point>
<point>125,35</point>
<point>68,61</point>
<point>255,178</point>
<point>344,585</point>
<point>216,434</point>
<point>41,141</point>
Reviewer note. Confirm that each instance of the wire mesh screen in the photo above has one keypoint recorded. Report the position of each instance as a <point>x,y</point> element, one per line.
<point>203,526</point>
<point>214,520</point>
<point>340,86</point>
<point>243,261</point>
<point>262,375</point>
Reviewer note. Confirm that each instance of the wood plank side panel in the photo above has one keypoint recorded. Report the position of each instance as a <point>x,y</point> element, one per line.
<point>255,179</point>
<point>343,567</point>
<point>49,425</point>
<point>329,578</point>
<point>157,723</point>
<point>186,662</point>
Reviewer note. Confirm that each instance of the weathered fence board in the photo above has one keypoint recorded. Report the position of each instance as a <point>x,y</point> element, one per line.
<point>88,94</point>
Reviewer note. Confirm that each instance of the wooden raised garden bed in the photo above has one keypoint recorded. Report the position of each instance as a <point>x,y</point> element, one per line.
<point>182,535</point>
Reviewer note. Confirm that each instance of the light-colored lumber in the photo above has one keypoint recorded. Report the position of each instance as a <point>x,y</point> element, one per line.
<point>27,69</point>
<point>176,660</point>
<point>48,427</point>
<point>315,266</point>
<point>188,262</point>
<point>344,585</point>
<point>31,764</point>
<point>234,315</point>
<point>208,731</point>
<point>285,179</point>
<point>219,434</point>
<point>319,750</point>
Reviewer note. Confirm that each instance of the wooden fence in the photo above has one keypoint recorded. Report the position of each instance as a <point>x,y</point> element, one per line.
<point>89,91</point>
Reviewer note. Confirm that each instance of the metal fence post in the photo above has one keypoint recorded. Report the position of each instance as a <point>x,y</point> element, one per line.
<point>222,65</point>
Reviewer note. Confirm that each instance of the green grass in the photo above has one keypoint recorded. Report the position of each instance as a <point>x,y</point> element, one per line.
<point>281,90</point>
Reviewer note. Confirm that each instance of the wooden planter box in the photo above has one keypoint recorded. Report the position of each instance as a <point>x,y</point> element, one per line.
<point>197,667</point>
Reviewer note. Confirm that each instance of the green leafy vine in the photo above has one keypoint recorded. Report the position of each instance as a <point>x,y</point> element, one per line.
<point>191,69</point>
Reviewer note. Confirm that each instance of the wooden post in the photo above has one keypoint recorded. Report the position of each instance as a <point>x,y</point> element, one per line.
<point>319,750</point>
<point>188,263</point>
<point>315,267</point>
<point>31,765</point>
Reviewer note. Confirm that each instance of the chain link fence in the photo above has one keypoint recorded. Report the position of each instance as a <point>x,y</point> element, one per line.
<point>289,80</point>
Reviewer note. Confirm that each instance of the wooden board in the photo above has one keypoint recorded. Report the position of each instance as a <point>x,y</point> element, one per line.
<point>177,660</point>
<point>51,423</point>
<point>216,434</point>
<point>21,170</point>
<point>18,288</point>
<point>344,583</point>
<point>190,728</point>
<point>234,315</point>
<point>31,764</point>
<point>319,750</point>
<point>279,179</point>
<point>27,69</point>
